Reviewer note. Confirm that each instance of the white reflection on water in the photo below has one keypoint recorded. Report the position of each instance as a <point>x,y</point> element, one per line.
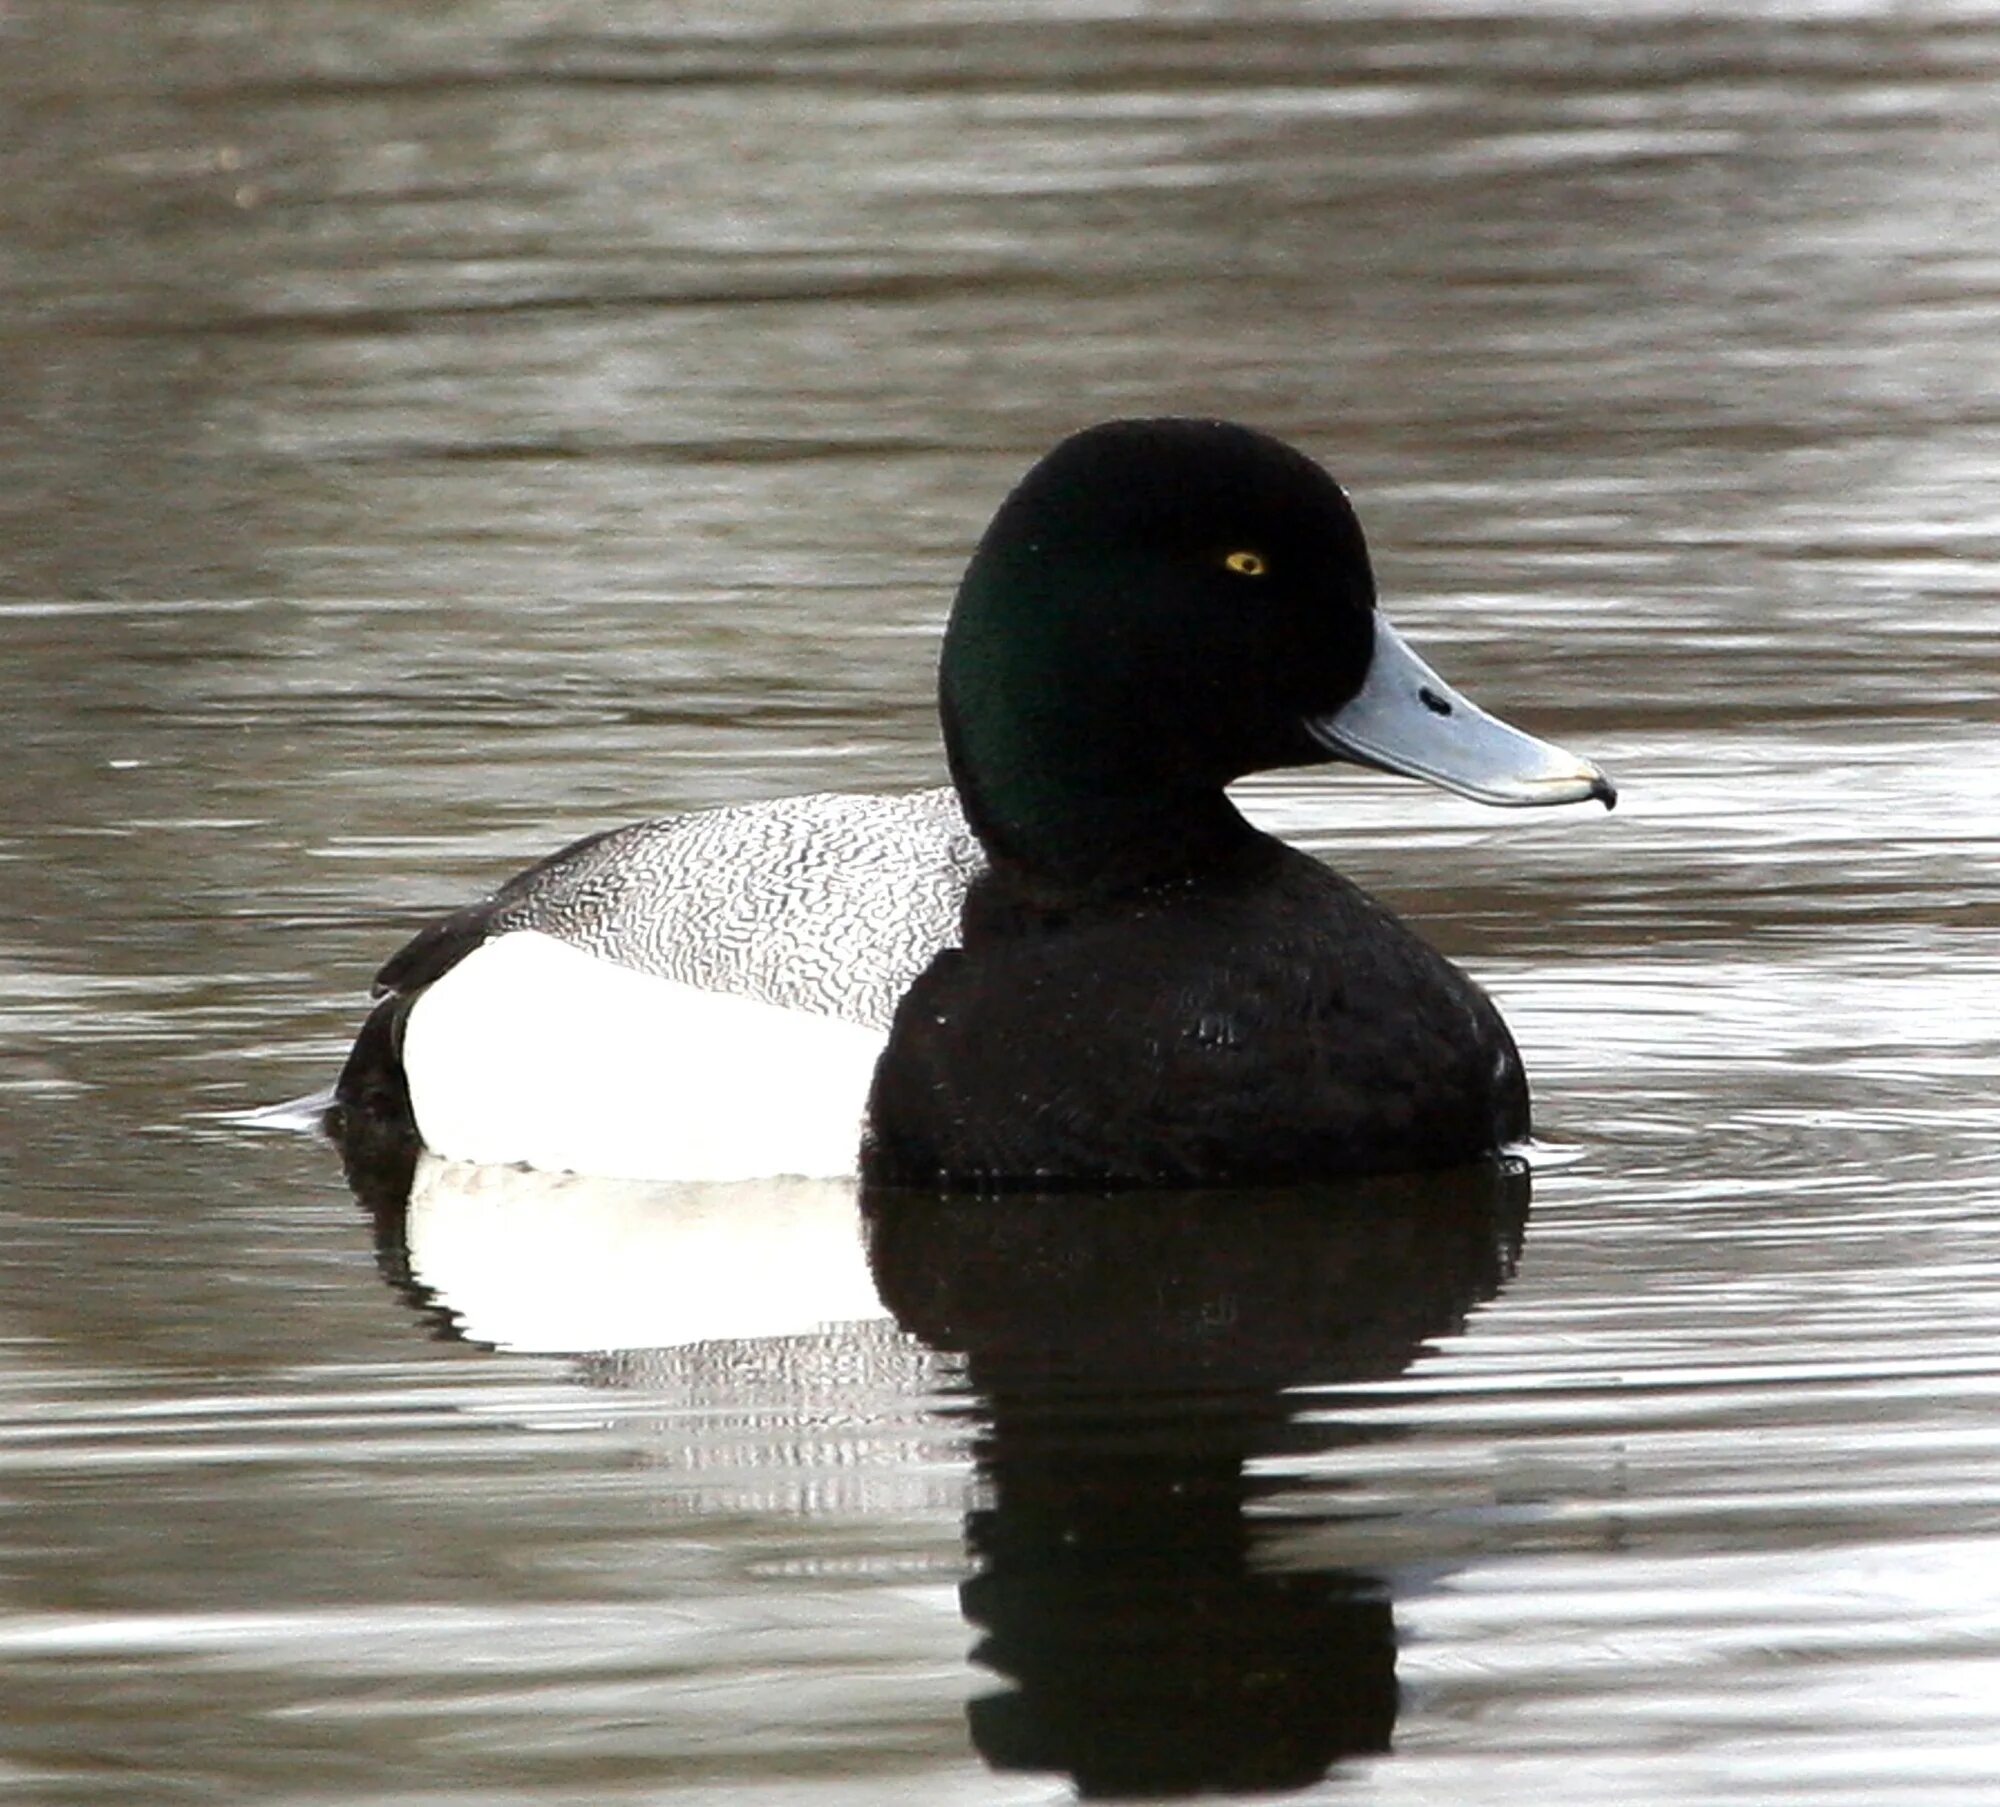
<point>562,1263</point>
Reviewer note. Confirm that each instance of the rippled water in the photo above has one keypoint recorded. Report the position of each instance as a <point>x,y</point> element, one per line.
<point>428,434</point>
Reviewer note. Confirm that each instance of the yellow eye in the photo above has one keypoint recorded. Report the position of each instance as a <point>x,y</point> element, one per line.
<point>1247,564</point>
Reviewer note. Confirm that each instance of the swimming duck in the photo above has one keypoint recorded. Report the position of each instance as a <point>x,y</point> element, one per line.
<point>1079,966</point>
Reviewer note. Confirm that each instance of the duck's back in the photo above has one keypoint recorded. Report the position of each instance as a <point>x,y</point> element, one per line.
<point>828,903</point>
<point>1270,1025</point>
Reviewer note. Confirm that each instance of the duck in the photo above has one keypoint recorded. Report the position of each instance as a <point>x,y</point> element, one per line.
<point>1080,965</point>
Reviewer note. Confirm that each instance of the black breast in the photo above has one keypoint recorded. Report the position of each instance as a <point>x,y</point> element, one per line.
<point>1269,1025</point>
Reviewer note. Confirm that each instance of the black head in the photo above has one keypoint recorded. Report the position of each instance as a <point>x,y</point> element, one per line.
<point>1159,607</point>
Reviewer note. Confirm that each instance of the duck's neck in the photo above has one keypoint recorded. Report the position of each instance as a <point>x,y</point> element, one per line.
<point>1084,763</point>
<point>1071,817</point>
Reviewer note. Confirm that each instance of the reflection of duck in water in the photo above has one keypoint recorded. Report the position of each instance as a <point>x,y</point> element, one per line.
<point>1118,982</point>
<point>573,1264</point>
<point>1134,1358</point>
<point>1134,1361</point>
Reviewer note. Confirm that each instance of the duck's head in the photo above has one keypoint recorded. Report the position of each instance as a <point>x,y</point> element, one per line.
<point>1162,606</point>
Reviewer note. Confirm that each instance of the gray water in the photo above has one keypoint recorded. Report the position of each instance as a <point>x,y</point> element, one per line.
<point>427,434</point>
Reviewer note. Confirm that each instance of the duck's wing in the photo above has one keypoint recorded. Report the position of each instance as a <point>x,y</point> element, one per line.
<point>820,910</point>
<point>439,946</point>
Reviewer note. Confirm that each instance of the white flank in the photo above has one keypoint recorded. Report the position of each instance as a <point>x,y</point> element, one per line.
<point>563,1263</point>
<point>532,1051</point>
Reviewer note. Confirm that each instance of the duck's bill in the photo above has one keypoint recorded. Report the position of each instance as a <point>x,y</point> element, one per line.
<point>1407,719</point>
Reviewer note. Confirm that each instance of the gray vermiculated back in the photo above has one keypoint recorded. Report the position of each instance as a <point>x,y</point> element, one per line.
<point>831,903</point>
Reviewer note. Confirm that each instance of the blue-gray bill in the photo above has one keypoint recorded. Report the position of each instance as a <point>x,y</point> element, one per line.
<point>1407,719</point>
